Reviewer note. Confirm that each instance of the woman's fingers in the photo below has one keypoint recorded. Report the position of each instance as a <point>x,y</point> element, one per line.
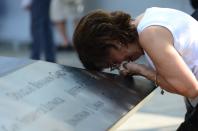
<point>124,72</point>
<point>131,68</point>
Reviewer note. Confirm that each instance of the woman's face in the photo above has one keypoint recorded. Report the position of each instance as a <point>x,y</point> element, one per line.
<point>130,52</point>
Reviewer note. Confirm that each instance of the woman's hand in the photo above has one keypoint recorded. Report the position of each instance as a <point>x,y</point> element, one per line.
<point>132,68</point>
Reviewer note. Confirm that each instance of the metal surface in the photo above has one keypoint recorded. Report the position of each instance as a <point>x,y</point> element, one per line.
<point>8,65</point>
<point>44,96</point>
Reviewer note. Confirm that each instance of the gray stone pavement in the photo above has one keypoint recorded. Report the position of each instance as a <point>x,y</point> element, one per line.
<point>161,113</point>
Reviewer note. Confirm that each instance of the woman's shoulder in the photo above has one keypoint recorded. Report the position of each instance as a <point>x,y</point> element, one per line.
<point>138,19</point>
<point>155,33</point>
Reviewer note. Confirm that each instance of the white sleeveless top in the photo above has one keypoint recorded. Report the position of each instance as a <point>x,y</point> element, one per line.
<point>184,29</point>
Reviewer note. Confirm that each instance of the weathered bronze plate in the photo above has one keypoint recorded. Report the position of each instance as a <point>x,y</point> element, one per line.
<point>41,96</point>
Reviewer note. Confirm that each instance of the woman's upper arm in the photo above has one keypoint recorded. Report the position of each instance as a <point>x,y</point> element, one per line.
<point>157,41</point>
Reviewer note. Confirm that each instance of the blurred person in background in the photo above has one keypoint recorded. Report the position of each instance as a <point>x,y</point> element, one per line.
<point>3,11</point>
<point>60,11</point>
<point>42,40</point>
<point>2,8</point>
<point>194,4</point>
<point>166,37</point>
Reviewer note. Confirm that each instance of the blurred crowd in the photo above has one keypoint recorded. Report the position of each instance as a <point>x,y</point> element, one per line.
<point>44,14</point>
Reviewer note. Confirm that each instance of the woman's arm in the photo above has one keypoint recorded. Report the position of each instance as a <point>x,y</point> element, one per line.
<point>132,68</point>
<point>172,71</point>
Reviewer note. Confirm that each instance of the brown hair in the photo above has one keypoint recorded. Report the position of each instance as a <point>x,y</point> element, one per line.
<point>97,32</point>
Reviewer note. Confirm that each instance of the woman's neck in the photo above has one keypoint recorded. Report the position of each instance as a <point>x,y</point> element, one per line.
<point>137,20</point>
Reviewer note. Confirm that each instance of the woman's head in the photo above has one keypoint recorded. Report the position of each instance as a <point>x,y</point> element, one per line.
<point>100,31</point>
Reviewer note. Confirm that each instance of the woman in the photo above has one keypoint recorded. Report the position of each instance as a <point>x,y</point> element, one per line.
<point>167,37</point>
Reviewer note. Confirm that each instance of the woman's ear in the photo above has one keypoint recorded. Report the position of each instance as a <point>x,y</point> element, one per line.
<point>119,45</point>
<point>115,45</point>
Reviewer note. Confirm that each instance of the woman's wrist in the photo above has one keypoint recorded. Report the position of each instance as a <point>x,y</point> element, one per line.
<point>148,73</point>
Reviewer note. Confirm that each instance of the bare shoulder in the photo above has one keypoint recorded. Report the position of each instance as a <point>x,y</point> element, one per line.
<point>157,41</point>
<point>155,33</point>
